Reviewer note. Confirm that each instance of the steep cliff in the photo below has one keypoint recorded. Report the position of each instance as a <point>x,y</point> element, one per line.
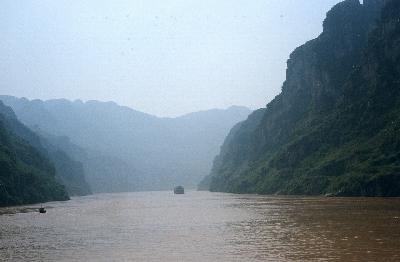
<point>26,175</point>
<point>333,128</point>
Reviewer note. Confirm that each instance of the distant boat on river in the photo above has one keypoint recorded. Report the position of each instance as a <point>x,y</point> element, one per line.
<point>179,190</point>
<point>42,210</point>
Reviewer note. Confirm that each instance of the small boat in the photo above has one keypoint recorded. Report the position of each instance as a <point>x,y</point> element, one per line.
<point>179,190</point>
<point>42,210</point>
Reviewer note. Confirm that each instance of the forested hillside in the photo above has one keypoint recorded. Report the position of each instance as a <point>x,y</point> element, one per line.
<point>26,175</point>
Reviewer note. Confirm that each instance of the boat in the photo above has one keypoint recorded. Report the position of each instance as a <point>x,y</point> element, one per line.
<point>179,190</point>
<point>42,210</point>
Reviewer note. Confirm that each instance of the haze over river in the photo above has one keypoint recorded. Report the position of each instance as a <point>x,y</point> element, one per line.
<point>203,226</point>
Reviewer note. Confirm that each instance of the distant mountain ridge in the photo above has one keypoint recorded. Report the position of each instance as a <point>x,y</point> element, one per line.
<point>152,153</point>
<point>334,128</point>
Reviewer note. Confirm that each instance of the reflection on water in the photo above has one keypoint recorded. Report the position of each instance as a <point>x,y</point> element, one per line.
<point>202,226</point>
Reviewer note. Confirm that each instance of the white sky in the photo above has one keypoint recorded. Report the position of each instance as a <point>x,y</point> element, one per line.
<point>163,57</point>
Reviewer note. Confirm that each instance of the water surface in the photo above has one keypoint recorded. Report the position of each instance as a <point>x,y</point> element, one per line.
<point>203,226</point>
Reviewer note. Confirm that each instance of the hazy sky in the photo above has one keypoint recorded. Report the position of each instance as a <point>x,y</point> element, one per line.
<point>164,57</point>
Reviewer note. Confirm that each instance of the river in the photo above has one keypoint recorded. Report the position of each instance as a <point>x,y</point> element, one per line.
<point>203,226</point>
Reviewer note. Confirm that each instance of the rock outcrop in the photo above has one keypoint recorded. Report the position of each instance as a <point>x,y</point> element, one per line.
<point>328,131</point>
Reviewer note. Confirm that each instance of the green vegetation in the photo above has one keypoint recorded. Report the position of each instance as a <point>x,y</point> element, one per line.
<point>335,127</point>
<point>26,176</point>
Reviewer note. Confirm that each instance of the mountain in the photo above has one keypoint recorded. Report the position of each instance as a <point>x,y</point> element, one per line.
<point>142,152</point>
<point>334,128</point>
<point>69,171</point>
<point>104,173</point>
<point>26,173</point>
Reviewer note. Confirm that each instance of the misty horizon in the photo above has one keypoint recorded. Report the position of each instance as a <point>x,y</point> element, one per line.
<point>165,58</point>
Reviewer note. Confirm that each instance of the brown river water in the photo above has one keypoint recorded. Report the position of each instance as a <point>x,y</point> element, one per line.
<point>203,226</point>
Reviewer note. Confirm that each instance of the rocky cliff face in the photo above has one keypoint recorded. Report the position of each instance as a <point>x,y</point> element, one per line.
<point>313,137</point>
